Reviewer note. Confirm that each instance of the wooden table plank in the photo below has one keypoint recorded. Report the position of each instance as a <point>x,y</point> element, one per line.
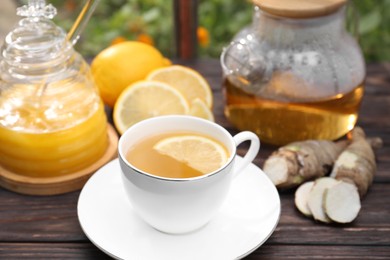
<point>51,251</point>
<point>39,218</point>
<point>320,252</point>
<point>267,251</point>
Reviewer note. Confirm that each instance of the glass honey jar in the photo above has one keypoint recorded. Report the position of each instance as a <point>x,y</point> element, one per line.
<point>52,120</point>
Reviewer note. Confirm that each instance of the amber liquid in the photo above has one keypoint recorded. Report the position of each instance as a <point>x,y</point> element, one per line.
<point>145,158</point>
<point>280,123</point>
<point>60,132</point>
<point>55,153</point>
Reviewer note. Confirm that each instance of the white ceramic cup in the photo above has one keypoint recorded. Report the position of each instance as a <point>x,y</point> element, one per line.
<point>181,205</point>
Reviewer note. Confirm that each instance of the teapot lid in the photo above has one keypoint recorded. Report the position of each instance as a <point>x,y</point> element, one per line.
<point>299,8</point>
<point>36,45</point>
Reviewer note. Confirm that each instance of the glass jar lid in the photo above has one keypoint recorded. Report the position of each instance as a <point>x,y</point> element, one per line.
<point>36,46</point>
<point>299,8</point>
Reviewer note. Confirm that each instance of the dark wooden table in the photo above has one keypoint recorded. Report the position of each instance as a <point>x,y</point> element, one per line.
<point>34,227</point>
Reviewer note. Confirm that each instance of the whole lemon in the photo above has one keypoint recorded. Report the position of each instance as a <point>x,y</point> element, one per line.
<point>122,64</point>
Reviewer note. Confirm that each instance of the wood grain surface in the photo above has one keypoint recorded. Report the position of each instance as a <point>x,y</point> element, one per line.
<point>46,227</point>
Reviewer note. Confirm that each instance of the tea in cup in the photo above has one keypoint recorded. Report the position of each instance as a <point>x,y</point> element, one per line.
<point>177,170</point>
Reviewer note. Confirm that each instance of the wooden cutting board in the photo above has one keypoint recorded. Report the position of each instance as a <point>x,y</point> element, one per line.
<point>59,184</point>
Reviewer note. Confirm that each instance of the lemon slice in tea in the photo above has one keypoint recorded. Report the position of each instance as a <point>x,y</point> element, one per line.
<point>198,152</point>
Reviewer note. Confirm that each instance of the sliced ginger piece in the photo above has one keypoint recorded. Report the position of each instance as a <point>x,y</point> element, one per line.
<point>301,161</point>
<point>342,202</point>
<point>316,198</point>
<point>302,196</point>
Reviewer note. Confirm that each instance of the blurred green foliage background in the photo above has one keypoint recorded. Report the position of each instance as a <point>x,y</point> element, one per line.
<point>222,19</point>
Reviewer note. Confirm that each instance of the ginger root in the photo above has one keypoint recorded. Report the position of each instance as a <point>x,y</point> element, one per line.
<point>315,201</point>
<point>328,200</point>
<point>342,202</point>
<point>356,164</point>
<point>302,197</point>
<point>298,162</point>
<point>337,198</point>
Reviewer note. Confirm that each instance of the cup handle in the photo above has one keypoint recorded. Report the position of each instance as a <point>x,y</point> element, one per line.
<point>250,154</point>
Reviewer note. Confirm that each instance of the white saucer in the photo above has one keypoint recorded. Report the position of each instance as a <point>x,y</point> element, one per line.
<point>246,220</point>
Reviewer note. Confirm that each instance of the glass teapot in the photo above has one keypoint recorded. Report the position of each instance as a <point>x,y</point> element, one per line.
<point>296,74</point>
<point>52,121</point>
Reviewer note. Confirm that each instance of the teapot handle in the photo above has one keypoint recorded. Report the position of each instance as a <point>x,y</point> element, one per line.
<point>224,59</point>
<point>244,66</point>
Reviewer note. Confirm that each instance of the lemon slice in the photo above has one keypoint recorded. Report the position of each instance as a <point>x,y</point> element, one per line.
<point>198,152</point>
<point>199,109</point>
<point>188,81</point>
<point>146,99</point>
